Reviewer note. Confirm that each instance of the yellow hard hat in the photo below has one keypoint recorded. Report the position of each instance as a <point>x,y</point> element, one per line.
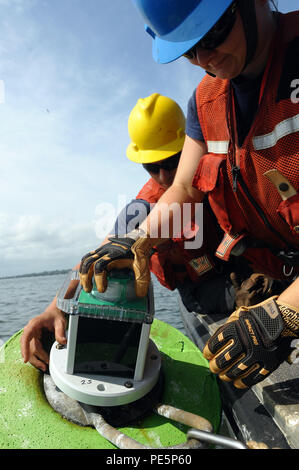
<point>157,129</point>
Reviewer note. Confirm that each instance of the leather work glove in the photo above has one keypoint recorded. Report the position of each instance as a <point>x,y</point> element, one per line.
<point>255,289</point>
<point>131,251</point>
<point>253,342</point>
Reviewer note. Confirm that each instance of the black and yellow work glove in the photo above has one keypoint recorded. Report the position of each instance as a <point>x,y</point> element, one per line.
<point>132,251</point>
<point>253,342</point>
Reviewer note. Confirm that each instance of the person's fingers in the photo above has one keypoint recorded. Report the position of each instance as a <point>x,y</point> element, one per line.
<point>86,269</point>
<point>36,355</point>
<point>141,270</point>
<point>28,333</point>
<point>38,351</point>
<point>59,329</point>
<point>223,349</point>
<point>100,273</point>
<point>105,265</point>
<point>234,278</point>
<point>86,278</point>
<point>101,281</point>
<point>25,346</point>
<point>87,261</point>
<point>32,333</point>
<point>38,363</point>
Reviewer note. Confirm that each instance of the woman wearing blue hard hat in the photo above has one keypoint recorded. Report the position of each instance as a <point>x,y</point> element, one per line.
<point>241,148</point>
<point>177,26</point>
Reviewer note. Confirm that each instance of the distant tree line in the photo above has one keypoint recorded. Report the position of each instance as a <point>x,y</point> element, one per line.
<point>44,273</point>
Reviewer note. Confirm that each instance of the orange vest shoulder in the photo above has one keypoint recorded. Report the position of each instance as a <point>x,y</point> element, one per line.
<point>151,191</point>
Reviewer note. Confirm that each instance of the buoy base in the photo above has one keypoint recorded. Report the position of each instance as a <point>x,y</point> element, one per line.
<point>116,416</point>
<point>101,390</point>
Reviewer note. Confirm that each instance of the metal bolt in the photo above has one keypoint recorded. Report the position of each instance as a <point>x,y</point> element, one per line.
<point>284,187</point>
<point>128,384</point>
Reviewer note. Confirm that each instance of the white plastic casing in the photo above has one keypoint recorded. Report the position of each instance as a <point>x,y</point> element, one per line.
<point>101,390</point>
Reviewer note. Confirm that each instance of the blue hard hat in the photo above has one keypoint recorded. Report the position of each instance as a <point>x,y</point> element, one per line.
<point>177,25</point>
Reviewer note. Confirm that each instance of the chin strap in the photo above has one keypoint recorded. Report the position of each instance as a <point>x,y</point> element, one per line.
<point>211,74</point>
<point>248,16</point>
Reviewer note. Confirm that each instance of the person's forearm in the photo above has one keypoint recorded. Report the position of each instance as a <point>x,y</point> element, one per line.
<point>170,206</point>
<point>167,217</point>
<point>291,294</point>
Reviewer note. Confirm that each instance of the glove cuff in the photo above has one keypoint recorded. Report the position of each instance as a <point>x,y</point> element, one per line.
<point>143,241</point>
<point>136,234</point>
<point>290,315</point>
<point>268,316</point>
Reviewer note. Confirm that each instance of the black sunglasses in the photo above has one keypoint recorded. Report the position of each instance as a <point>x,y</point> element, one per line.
<point>168,164</point>
<point>217,34</point>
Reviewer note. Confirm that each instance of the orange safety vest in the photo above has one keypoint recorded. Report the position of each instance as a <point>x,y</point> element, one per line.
<point>172,263</point>
<point>245,200</point>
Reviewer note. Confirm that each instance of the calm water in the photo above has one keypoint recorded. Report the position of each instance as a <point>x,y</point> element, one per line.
<point>24,298</point>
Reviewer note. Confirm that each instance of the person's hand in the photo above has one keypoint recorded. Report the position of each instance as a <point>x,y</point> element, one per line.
<point>252,290</point>
<point>132,251</point>
<point>32,348</point>
<point>253,342</point>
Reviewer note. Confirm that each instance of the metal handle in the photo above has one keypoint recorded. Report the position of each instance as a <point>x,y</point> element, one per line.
<point>215,439</point>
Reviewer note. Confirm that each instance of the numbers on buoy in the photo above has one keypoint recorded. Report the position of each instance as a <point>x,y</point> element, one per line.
<point>86,381</point>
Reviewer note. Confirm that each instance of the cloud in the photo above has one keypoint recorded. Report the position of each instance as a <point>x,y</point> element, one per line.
<point>36,242</point>
<point>30,243</point>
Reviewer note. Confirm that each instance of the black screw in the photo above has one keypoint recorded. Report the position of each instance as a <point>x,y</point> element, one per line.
<point>128,384</point>
<point>283,187</point>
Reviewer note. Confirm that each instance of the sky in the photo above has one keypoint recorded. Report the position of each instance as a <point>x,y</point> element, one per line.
<point>70,73</point>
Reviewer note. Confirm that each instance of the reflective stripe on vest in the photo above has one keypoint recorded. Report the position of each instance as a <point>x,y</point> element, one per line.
<point>261,142</point>
<point>218,146</point>
<point>286,127</point>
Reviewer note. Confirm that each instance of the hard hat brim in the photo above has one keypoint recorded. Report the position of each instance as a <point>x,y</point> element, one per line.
<point>173,45</point>
<point>155,155</point>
